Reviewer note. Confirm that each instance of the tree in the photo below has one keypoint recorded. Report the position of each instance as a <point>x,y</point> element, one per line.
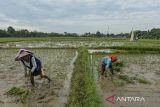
<point>11,30</point>
<point>98,34</point>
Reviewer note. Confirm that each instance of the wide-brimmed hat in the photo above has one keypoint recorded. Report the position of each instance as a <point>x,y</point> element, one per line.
<point>21,53</point>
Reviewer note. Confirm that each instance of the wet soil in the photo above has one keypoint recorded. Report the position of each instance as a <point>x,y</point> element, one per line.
<point>58,65</point>
<point>138,65</point>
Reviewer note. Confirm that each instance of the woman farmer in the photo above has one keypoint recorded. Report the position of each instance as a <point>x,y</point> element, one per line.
<point>32,63</point>
<point>106,63</point>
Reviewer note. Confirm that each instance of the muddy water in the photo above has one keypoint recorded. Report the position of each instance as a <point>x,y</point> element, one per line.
<point>57,65</point>
<point>64,92</point>
<point>100,51</point>
<point>59,44</point>
<point>9,76</point>
<point>139,65</point>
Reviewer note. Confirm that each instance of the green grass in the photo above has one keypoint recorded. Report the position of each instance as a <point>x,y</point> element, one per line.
<point>83,88</point>
<point>23,94</point>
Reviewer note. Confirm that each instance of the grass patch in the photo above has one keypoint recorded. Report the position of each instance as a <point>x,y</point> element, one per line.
<point>23,94</point>
<point>83,88</point>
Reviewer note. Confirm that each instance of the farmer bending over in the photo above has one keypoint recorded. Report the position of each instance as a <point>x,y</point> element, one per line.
<point>32,63</point>
<point>106,63</point>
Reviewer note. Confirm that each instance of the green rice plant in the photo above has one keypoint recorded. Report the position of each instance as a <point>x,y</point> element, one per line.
<point>117,69</point>
<point>117,66</point>
<point>16,91</point>
<point>118,82</point>
<point>126,78</point>
<point>143,81</point>
<point>23,94</point>
<point>137,48</point>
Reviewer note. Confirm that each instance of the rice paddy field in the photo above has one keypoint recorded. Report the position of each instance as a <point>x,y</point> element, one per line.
<point>135,75</point>
<point>57,64</point>
<point>72,65</point>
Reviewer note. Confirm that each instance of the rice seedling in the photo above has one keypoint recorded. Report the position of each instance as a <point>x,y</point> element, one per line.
<point>23,94</point>
<point>126,78</point>
<point>143,81</point>
<point>118,82</point>
<point>139,49</point>
<point>56,64</point>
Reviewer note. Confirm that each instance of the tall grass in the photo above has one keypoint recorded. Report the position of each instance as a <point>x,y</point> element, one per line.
<point>83,88</point>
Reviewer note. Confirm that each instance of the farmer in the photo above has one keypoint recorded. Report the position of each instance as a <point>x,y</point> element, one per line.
<point>106,63</point>
<point>31,63</point>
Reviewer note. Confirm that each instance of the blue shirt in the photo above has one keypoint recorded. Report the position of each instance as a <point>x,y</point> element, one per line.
<point>107,61</point>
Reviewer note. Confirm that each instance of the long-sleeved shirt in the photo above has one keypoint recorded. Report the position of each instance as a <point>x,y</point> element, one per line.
<point>107,61</point>
<point>34,64</point>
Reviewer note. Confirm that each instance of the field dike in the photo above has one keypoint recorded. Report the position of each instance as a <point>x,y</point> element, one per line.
<point>83,87</point>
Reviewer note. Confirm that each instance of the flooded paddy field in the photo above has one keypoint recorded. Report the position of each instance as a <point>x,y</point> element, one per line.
<point>138,74</point>
<point>58,65</point>
<point>59,44</point>
<point>72,44</point>
<point>138,77</point>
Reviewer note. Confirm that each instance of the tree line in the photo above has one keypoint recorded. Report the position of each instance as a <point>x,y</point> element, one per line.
<point>11,32</point>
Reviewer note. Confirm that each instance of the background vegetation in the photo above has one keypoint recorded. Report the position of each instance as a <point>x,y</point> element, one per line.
<point>11,32</point>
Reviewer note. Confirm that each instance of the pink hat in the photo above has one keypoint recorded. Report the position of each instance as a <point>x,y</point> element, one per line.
<point>21,53</point>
